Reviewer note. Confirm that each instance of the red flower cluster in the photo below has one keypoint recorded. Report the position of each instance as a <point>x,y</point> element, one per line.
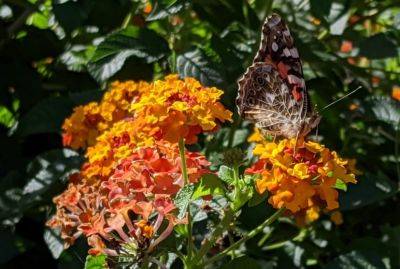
<point>128,208</point>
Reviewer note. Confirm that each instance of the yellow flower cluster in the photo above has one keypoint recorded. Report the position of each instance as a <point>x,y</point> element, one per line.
<point>181,109</point>
<point>301,177</point>
<point>87,122</point>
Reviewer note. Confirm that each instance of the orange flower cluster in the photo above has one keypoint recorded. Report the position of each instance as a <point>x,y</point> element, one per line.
<point>89,121</point>
<point>125,190</point>
<point>177,109</point>
<point>302,177</point>
<point>131,204</point>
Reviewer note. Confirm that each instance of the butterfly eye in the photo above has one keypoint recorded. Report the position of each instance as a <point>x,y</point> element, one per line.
<point>261,81</point>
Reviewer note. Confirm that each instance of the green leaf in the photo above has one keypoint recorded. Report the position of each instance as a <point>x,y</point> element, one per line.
<point>378,46</point>
<point>385,109</point>
<point>96,262</point>
<point>183,198</point>
<point>225,173</point>
<point>54,242</point>
<point>6,117</point>
<point>46,117</point>
<point>340,185</point>
<point>70,15</point>
<point>196,64</point>
<point>320,8</point>
<point>257,198</point>
<point>369,189</point>
<point>242,262</point>
<point>48,169</point>
<point>357,260</point>
<point>209,185</point>
<point>112,53</point>
<point>160,11</point>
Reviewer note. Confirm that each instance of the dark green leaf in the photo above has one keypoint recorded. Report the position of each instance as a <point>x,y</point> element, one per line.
<point>54,242</point>
<point>111,54</point>
<point>70,15</point>
<point>46,117</point>
<point>369,189</point>
<point>48,169</point>
<point>257,198</point>
<point>320,8</point>
<point>196,64</point>
<point>96,262</point>
<point>378,46</point>
<point>161,11</point>
<point>242,262</point>
<point>208,185</point>
<point>183,198</point>
<point>356,260</point>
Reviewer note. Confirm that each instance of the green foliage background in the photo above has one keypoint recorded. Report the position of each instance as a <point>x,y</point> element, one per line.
<point>55,55</point>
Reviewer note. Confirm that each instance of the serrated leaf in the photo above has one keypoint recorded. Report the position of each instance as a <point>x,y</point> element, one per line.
<point>196,64</point>
<point>96,262</point>
<point>378,46</point>
<point>357,260</point>
<point>111,54</point>
<point>340,185</point>
<point>161,11</point>
<point>369,189</point>
<point>208,185</point>
<point>242,262</point>
<point>225,173</point>
<point>183,198</point>
<point>54,242</point>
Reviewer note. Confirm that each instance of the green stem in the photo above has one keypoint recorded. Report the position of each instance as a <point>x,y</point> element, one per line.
<point>186,181</point>
<point>248,236</point>
<point>209,242</point>
<point>397,154</point>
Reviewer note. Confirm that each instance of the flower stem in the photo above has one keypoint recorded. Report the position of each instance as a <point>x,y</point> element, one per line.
<point>186,181</point>
<point>248,236</point>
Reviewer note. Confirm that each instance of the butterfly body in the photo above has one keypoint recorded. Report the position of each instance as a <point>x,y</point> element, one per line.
<point>272,92</point>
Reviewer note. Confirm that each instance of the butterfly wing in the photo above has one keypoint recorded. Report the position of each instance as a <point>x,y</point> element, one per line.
<point>292,112</point>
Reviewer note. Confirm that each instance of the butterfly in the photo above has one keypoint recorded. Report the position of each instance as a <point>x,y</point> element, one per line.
<point>272,91</point>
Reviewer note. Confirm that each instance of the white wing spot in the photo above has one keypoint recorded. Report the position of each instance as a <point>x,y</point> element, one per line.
<point>274,46</point>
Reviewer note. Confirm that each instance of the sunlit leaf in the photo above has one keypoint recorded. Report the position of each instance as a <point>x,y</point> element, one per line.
<point>208,185</point>
<point>96,262</point>
<point>54,242</point>
<point>183,198</point>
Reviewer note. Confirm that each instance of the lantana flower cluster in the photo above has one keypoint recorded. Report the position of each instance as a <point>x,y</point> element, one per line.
<point>122,200</point>
<point>300,175</point>
<point>87,122</point>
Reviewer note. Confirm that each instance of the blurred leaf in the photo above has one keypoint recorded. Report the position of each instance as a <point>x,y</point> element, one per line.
<point>340,185</point>
<point>11,245</point>
<point>195,64</point>
<point>378,46</point>
<point>161,11</point>
<point>46,117</point>
<point>356,260</point>
<point>257,198</point>
<point>183,198</point>
<point>385,109</point>
<point>111,54</point>
<point>70,15</point>
<point>209,185</point>
<point>54,242</point>
<point>241,262</point>
<point>320,8</point>
<point>96,262</point>
<point>6,117</point>
<point>369,189</point>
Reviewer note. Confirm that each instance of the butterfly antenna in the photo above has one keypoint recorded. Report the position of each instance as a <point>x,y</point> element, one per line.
<point>341,98</point>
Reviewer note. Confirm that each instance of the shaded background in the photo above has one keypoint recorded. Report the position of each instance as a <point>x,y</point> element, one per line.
<point>55,55</point>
